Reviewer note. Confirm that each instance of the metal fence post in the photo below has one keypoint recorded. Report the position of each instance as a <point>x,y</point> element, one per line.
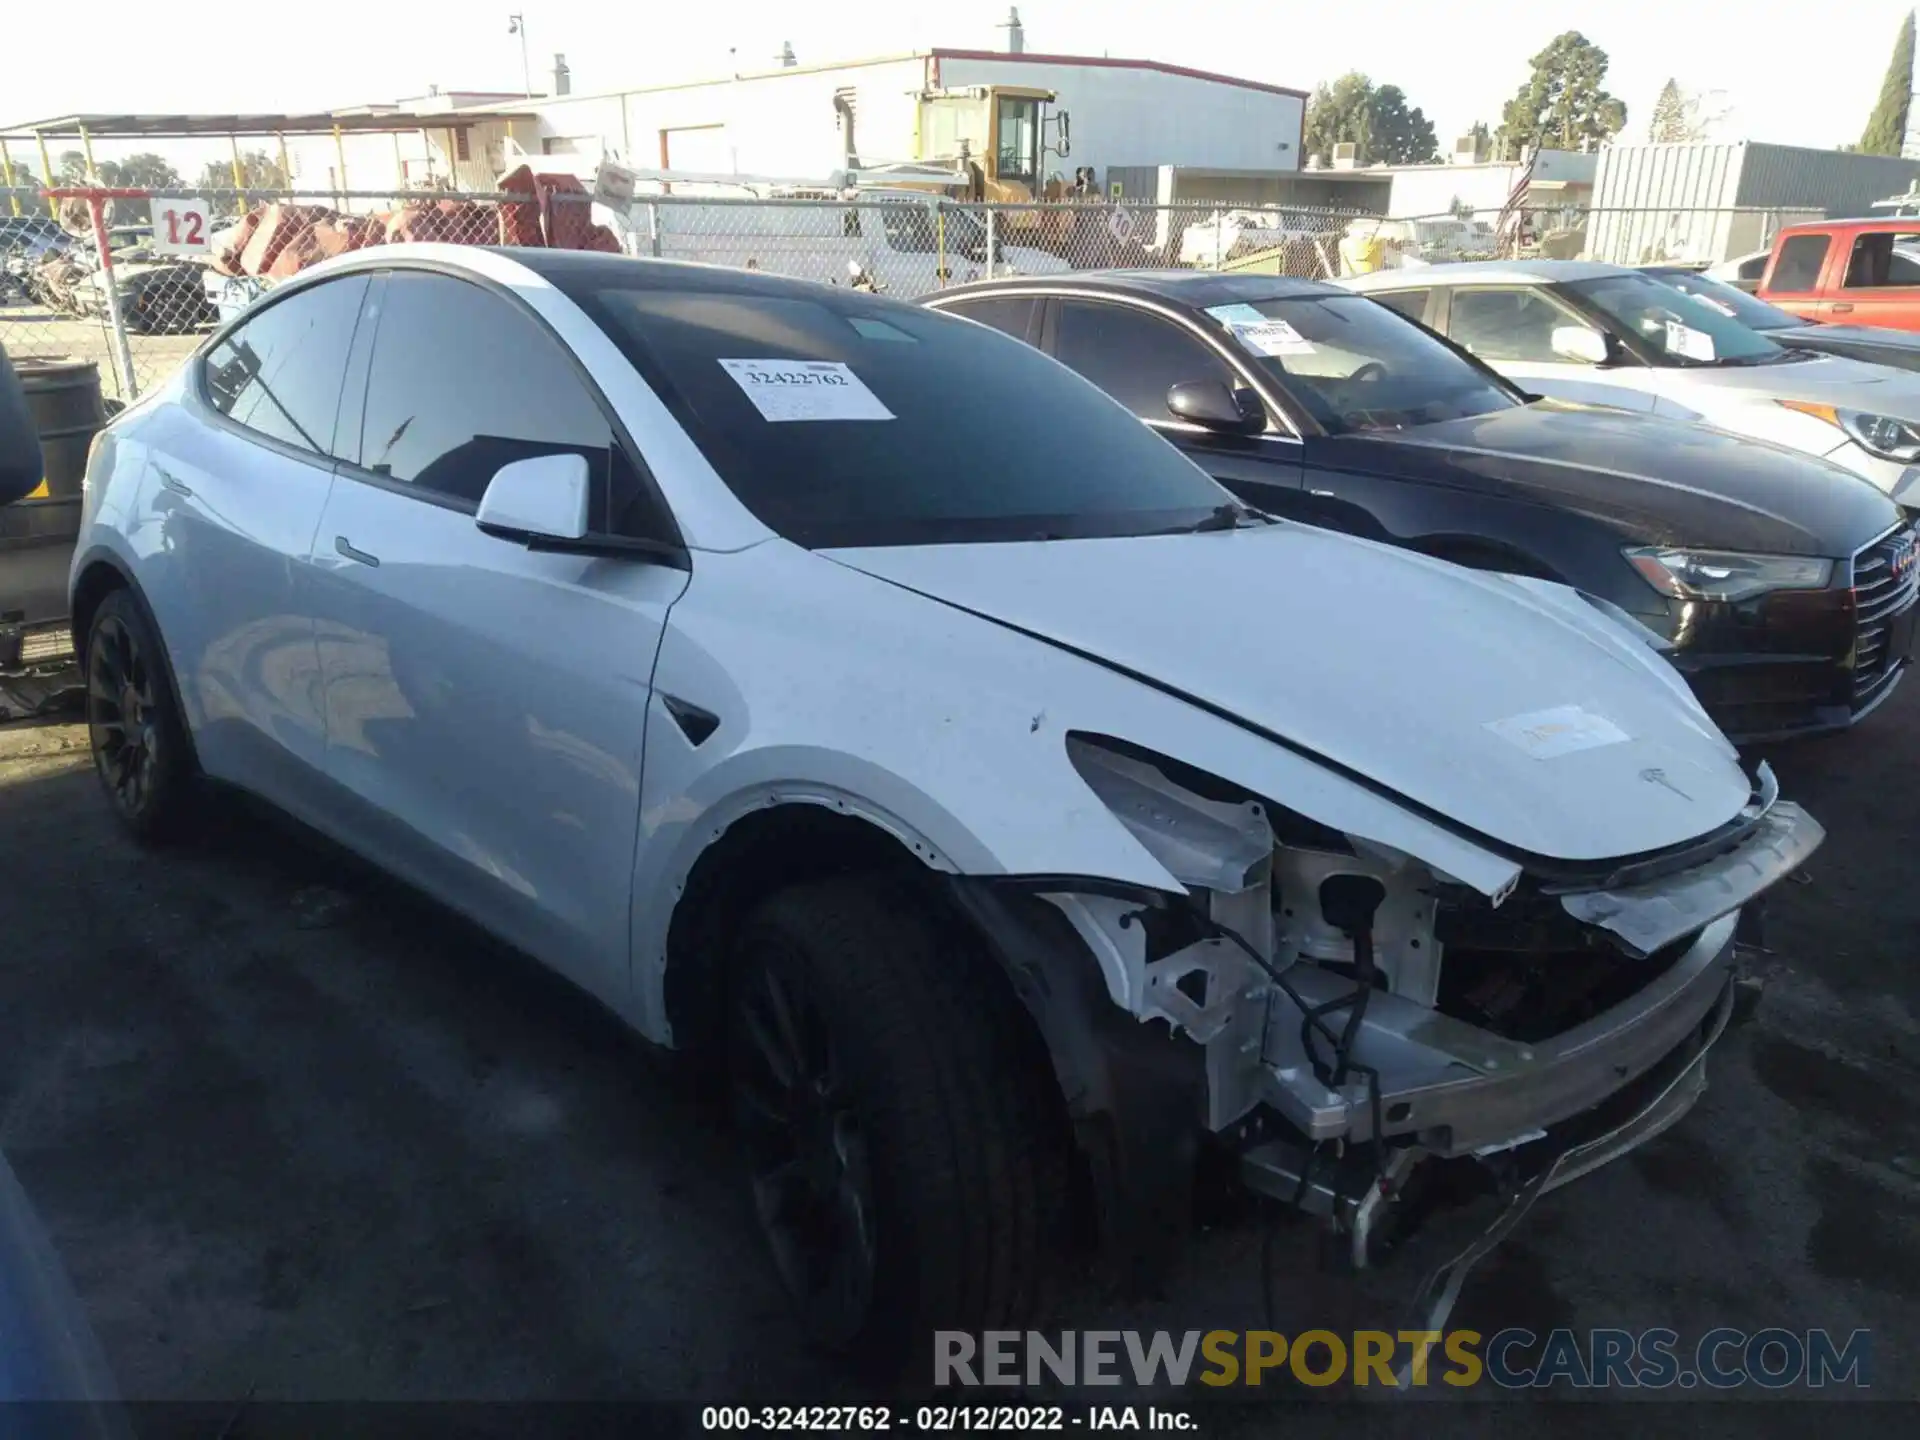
<point>653,229</point>
<point>939,244</point>
<point>123,353</point>
<point>1219,238</point>
<point>993,249</point>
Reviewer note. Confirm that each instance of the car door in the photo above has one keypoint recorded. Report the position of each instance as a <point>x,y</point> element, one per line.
<point>1510,327</point>
<point>239,475</point>
<point>486,702</point>
<point>1879,283</point>
<point>1136,354</point>
<point>1793,276</point>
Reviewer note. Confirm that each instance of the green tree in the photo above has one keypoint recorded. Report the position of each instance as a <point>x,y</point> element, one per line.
<point>258,171</point>
<point>1669,115</point>
<point>1886,128</point>
<point>1375,119</point>
<point>1562,105</point>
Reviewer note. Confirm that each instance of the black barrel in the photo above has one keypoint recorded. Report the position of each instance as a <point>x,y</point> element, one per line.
<point>68,410</point>
<point>37,534</point>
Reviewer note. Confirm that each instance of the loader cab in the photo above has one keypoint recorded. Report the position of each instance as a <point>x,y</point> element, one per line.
<point>1001,128</point>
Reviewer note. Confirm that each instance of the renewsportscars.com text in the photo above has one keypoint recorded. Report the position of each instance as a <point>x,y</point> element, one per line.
<point>1720,1359</point>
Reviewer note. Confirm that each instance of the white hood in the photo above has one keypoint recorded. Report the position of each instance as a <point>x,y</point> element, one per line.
<point>1824,379</point>
<point>1508,707</point>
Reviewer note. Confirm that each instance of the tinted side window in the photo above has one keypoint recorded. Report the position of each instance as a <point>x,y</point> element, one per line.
<point>1505,324</point>
<point>1134,355</point>
<point>1881,260</point>
<point>1010,314</point>
<point>1410,303</point>
<point>280,373</point>
<point>1798,267</point>
<point>462,383</point>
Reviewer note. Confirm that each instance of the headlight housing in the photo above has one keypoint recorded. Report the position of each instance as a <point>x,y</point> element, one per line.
<point>1724,574</point>
<point>1885,437</point>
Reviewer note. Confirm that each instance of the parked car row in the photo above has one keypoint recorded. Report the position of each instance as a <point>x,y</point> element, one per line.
<point>1008,811</point>
<point>1602,335</point>
<point>1782,585</point>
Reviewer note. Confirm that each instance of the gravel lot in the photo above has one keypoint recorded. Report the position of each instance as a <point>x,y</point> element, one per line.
<point>299,1136</point>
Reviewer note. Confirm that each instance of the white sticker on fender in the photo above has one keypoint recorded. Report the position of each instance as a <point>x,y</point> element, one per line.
<point>806,390</point>
<point>1545,734</point>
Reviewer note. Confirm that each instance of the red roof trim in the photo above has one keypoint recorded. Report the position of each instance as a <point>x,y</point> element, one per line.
<point>1102,61</point>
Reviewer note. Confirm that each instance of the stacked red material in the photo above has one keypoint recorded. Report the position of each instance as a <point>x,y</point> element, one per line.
<point>278,240</point>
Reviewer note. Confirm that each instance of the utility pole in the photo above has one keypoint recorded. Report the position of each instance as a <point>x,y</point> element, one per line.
<point>517,25</point>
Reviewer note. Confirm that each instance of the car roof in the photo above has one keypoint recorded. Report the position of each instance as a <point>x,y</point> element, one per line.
<point>1198,288</point>
<point>571,269</point>
<point>1852,222</point>
<point>1485,272</point>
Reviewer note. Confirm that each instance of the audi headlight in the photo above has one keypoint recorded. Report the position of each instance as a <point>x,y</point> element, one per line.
<point>1885,437</point>
<point>1725,574</point>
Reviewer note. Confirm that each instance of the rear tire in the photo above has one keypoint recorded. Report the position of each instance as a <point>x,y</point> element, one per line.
<point>905,1148</point>
<point>139,741</point>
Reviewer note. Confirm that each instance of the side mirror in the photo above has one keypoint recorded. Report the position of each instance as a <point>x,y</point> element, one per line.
<point>1581,345</point>
<point>544,498</point>
<point>1210,403</point>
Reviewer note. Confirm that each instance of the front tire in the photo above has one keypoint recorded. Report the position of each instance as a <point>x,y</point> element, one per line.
<point>139,741</point>
<point>907,1165</point>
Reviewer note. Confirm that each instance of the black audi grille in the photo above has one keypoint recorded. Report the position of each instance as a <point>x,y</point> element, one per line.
<point>1886,578</point>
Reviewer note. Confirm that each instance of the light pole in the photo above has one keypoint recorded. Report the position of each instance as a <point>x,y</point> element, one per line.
<point>517,25</point>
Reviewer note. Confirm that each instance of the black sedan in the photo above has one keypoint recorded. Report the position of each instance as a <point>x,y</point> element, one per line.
<point>1876,344</point>
<point>1771,574</point>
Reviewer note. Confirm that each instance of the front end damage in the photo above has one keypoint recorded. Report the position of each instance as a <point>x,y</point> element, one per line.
<point>1364,1021</point>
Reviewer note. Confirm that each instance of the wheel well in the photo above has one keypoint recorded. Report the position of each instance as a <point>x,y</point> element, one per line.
<point>1477,554</point>
<point>761,853</point>
<point>96,582</point>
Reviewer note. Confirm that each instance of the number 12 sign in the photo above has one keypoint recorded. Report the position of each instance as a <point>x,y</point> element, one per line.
<point>181,227</point>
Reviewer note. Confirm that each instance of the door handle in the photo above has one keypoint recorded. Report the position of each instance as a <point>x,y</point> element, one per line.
<point>345,547</point>
<point>168,482</point>
<point>1841,307</point>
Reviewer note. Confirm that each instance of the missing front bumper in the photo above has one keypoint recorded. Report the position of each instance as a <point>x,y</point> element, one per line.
<point>1457,1089</point>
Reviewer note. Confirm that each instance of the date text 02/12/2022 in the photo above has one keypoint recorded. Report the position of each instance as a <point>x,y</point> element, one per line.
<point>942,1419</point>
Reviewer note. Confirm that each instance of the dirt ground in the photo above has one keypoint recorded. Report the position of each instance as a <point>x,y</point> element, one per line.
<point>300,1136</point>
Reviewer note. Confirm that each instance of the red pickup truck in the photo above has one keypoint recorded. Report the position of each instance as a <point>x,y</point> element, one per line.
<point>1847,272</point>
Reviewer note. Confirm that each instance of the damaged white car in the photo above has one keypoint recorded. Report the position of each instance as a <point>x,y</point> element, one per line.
<point>853,697</point>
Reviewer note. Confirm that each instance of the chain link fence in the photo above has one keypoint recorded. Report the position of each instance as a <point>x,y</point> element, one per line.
<point>133,280</point>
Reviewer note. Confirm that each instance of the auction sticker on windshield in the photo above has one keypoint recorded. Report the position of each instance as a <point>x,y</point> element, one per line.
<point>806,390</point>
<point>1271,337</point>
<point>1688,343</point>
<point>1545,734</point>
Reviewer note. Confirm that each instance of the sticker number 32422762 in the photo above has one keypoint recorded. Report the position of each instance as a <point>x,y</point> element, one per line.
<point>806,390</point>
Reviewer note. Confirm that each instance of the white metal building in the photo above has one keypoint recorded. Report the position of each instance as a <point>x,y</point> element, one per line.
<point>794,121</point>
<point>1713,201</point>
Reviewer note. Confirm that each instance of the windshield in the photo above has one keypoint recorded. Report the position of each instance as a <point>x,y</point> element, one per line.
<point>1749,310</point>
<point>848,420</point>
<point>1018,153</point>
<point>1676,329</point>
<point>1356,366</point>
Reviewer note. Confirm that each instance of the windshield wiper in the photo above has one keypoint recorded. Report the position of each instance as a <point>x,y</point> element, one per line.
<point>1231,516</point>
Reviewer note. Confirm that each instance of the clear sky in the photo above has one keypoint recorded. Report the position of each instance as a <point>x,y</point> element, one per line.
<point>1793,71</point>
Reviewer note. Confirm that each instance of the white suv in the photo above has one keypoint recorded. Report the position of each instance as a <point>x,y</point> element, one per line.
<point>852,696</point>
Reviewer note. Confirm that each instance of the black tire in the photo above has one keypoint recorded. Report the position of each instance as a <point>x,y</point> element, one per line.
<point>928,1100</point>
<point>139,741</point>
